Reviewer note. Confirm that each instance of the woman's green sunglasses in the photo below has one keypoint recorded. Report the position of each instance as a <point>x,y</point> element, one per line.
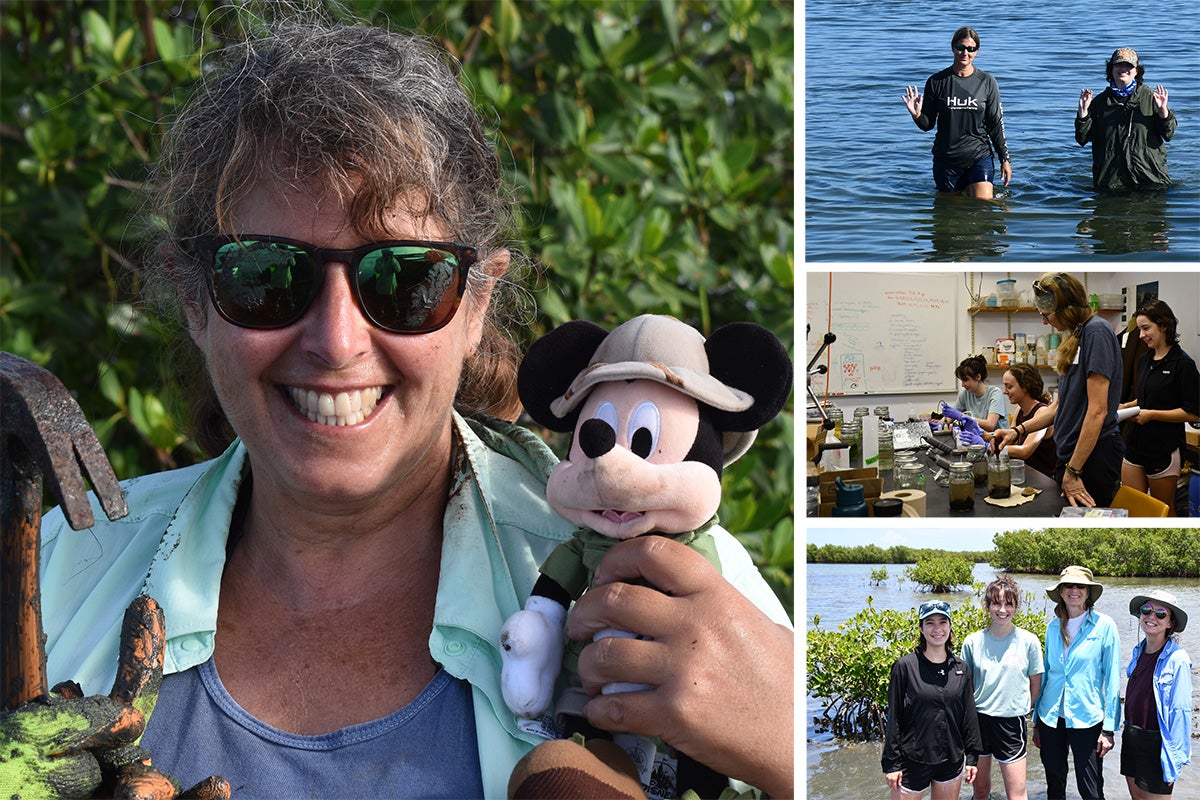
<point>401,286</point>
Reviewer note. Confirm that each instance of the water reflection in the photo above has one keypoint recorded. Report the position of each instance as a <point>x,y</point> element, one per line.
<point>1123,224</point>
<point>961,228</point>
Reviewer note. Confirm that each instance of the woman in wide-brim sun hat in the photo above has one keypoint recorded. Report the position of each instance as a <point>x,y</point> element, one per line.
<point>1156,740</point>
<point>1079,704</point>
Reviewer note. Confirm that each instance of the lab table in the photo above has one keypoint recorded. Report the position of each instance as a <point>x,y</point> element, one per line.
<point>937,498</point>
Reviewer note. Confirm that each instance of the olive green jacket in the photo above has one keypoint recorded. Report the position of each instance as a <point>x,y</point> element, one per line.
<point>1129,141</point>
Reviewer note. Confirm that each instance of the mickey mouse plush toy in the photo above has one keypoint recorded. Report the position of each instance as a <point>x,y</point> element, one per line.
<point>657,412</point>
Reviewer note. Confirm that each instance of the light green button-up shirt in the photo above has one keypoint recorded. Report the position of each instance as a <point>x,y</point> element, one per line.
<point>497,529</point>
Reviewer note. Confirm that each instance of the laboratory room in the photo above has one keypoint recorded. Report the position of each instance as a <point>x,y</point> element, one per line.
<point>1003,394</point>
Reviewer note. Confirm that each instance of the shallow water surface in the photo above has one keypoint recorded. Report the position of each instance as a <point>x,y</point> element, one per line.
<point>869,193</point>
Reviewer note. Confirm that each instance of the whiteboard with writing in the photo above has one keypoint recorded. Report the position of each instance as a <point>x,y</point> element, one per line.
<point>895,331</point>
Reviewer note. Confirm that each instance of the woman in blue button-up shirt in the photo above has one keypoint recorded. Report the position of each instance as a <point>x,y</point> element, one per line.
<point>1079,705</point>
<point>1157,738</point>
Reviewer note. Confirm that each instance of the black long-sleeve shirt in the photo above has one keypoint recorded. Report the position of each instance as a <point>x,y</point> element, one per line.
<point>931,717</point>
<point>968,116</point>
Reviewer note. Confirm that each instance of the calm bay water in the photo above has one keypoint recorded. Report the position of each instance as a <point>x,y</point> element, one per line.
<point>869,194</point>
<point>839,770</point>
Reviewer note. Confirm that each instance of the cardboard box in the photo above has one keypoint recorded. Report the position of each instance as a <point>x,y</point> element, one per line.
<point>1006,351</point>
<point>868,477</point>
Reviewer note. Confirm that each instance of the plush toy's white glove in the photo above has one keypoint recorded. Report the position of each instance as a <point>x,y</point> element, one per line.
<point>531,648</point>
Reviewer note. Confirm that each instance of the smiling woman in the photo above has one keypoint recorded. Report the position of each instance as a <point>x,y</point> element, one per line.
<point>964,103</point>
<point>331,225</point>
<point>1156,738</point>
<point>1079,705</point>
<point>932,735</point>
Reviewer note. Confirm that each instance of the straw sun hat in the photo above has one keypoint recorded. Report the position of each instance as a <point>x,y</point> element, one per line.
<point>1075,574</point>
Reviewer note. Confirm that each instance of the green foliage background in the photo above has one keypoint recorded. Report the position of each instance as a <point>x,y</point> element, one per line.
<point>650,144</point>
<point>940,573</point>
<point>1123,552</point>
<point>895,554</point>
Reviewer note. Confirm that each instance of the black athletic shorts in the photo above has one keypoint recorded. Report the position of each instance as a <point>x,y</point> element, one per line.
<point>917,777</point>
<point>1004,738</point>
<point>1140,752</point>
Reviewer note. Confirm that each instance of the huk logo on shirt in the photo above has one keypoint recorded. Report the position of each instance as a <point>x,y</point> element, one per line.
<point>963,103</point>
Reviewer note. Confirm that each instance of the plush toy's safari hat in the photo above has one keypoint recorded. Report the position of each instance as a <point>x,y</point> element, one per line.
<point>666,350</point>
<point>1163,599</point>
<point>1078,575</point>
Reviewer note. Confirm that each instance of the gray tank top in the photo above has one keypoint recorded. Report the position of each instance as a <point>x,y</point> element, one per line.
<point>426,749</point>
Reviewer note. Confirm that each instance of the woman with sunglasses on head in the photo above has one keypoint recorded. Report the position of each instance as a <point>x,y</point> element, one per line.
<point>1024,388</point>
<point>1079,705</point>
<point>1006,667</point>
<point>1128,125</point>
<point>1168,395</point>
<point>333,228</point>
<point>963,102</point>
<point>932,738</point>
<point>1156,740</point>
<point>1084,415</point>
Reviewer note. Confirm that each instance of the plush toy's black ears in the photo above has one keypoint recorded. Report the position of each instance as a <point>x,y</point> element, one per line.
<point>749,357</point>
<point>551,365</point>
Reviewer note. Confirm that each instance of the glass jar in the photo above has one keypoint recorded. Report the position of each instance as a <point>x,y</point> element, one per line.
<point>860,412</point>
<point>999,476</point>
<point>887,454</point>
<point>852,436</point>
<point>977,457</point>
<point>910,476</point>
<point>883,412</point>
<point>1016,469</point>
<point>962,486</point>
<point>835,416</point>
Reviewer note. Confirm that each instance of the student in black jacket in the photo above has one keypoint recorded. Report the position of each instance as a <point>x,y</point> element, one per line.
<point>1168,395</point>
<point>932,737</point>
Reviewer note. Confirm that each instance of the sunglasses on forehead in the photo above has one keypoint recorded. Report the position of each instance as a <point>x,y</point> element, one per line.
<point>401,286</point>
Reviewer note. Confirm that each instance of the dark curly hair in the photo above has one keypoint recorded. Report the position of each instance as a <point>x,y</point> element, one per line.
<point>1161,315</point>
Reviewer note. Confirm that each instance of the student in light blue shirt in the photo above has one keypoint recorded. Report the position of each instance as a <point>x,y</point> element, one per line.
<point>1079,706</point>
<point>978,399</point>
<point>1006,667</point>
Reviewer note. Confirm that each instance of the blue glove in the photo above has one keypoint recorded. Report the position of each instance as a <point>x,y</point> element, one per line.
<point>971,433</point>
<point>953,413</point>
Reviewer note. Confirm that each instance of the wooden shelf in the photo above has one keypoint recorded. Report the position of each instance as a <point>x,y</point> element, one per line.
<point>1022,310</point>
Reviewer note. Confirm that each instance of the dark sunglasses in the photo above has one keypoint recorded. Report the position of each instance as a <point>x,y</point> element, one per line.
<point>1147,610</point>
<point>938,605</point>
<point>1074,586</point>
<point>401,286</point>
<point>967,47</point>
